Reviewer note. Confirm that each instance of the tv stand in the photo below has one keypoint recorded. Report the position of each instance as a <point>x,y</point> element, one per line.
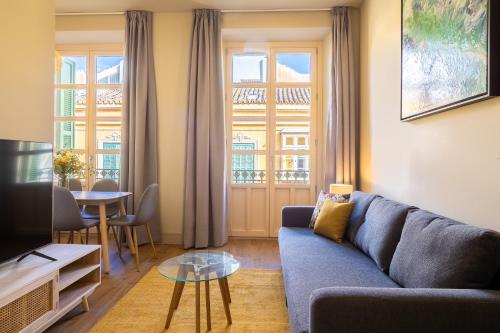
<point>38,254</point>
<point>35,293</point>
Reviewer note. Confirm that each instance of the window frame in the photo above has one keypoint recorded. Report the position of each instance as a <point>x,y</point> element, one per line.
<point>91,150</point>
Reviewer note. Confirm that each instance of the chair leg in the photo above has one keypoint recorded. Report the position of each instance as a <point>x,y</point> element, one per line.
<point>81,236</point>
<point>70,237</point>
<point>120,238</point>
<point>59,237</point>
<point>151,240</point>
<point>136,245</point>
<point>116,241</point>
<point>86,235</point>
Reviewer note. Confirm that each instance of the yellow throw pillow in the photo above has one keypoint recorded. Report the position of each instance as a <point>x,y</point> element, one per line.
<point>332,220</point>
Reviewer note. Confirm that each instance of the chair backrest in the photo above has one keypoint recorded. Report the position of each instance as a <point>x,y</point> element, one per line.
<point>148,205</point>
<point>75,184</point>
<point>66,212</point>
<point>104,185</point>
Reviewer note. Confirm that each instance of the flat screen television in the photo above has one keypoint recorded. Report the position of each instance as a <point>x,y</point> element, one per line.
<point>25,197</point>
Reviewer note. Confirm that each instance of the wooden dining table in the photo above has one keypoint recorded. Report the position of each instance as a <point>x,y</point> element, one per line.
<point>101,199</point>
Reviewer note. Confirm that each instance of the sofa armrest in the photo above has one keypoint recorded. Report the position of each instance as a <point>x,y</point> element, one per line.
<point>404,310</point>
<point>296,216</point>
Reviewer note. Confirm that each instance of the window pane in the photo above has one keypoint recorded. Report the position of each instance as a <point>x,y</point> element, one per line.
<point>292,169</point>
<point>249,135</point>
<point>109,102</point>
<point>108,135</point>
<point>70,102</point>
<point>294,102</point>
<point>250,68</point>
<point>107,166</point>
<point>109,69</point>
<point>292,135</point>
<point>248,169</point>
<point>71,70</point>
<point>293,67</point>
<point>70,134</point>
<point>249,101</point>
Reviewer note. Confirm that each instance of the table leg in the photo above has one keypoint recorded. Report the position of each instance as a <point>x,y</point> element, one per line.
<point>207,301</point>
<point>179,294</point>
<point>198,329</point>
<point>104,228</point>
<point>228,294</point>
<point>175,297</point>
<point>225,299</point>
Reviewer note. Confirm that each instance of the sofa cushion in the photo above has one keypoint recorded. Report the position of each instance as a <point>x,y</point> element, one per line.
<point>379,234</point>
<point>437,252</point>
<point>361,202</point>
<point>332,220</point>
<point>322,197</point>
<point>310,262</point>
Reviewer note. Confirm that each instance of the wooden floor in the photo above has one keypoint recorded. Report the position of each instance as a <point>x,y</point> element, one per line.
<point>252,253</point>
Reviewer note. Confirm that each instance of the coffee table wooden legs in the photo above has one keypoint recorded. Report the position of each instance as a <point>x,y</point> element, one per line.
<point>226,298</point>
<point>176,297</point>
<point>174,303</point>
<point>207,301</point>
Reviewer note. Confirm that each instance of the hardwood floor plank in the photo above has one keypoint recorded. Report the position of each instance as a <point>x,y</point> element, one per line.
<point>252,253</point>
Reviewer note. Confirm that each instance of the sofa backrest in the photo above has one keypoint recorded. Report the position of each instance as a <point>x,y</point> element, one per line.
<point>361,202</point>
<point>380,232</point>
<point>437,252</point>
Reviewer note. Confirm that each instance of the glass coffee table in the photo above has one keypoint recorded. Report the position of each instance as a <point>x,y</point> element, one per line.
<point>198,267</point>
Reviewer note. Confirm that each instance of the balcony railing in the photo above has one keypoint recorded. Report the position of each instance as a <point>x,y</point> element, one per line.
<point>107,174</point>
<point>280,176</point>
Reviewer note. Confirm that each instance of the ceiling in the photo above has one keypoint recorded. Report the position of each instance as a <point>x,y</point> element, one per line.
<point>99,6</point>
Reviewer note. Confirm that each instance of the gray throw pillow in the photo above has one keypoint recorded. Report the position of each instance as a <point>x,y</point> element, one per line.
<point>436,252</point>
<point>379,234</point>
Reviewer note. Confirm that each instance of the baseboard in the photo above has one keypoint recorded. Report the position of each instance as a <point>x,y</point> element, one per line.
<point>171,239</point>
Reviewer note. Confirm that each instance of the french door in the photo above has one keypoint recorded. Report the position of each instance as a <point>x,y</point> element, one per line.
<point>88,107</point>
<point>271,105</point>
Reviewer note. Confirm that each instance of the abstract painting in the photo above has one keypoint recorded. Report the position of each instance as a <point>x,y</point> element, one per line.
<point>445,55</point>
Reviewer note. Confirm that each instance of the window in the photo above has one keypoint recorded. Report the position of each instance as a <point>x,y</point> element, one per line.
<point>88,108</point>
<point>272,100</point>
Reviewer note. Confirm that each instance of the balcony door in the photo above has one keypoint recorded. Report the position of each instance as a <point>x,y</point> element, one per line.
<point>88,107</point>
<point>271,103</point>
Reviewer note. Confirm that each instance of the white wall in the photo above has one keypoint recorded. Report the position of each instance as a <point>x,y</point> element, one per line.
<point>447,163</point>
<point>27,69</point>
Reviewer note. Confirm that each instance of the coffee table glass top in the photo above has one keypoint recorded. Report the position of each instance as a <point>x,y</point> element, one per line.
<point>199,266</point>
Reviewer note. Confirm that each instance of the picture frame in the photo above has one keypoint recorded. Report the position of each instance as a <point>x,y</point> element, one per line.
<point>446,69</point>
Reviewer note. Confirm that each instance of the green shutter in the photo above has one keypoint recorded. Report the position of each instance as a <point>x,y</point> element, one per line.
<point>66,106</point>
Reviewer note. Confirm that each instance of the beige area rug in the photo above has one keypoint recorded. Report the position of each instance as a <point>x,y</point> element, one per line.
<point>258,305</point>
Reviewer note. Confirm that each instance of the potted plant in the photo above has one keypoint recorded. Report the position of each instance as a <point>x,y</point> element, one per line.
<point>66,164</point>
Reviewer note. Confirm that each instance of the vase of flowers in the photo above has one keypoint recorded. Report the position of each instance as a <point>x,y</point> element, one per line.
<point>66,164</point>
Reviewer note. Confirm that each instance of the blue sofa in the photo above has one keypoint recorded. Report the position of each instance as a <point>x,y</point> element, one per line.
<point>399,269</point>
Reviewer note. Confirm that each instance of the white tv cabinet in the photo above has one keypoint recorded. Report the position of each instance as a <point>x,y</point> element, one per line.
<point>36,292</point>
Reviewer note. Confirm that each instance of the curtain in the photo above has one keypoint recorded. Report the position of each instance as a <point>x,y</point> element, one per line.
<point>205,180</point>
<point>139,162</point>
<point>342,136</point>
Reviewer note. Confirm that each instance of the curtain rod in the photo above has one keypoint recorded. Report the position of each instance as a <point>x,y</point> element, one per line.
<point>222,10</point>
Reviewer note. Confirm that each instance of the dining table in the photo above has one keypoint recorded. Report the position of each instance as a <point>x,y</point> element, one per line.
<point>101,199</point>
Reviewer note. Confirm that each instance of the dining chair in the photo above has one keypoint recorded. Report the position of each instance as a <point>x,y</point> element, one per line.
<point>75,184</point>
<point>103,185</point>
<point>67,216</point>
<point>145,213</point>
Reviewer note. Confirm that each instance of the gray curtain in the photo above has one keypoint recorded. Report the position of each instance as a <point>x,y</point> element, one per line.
<point>205,181</point>
<point>342,136</point>
<point>139,162</point>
